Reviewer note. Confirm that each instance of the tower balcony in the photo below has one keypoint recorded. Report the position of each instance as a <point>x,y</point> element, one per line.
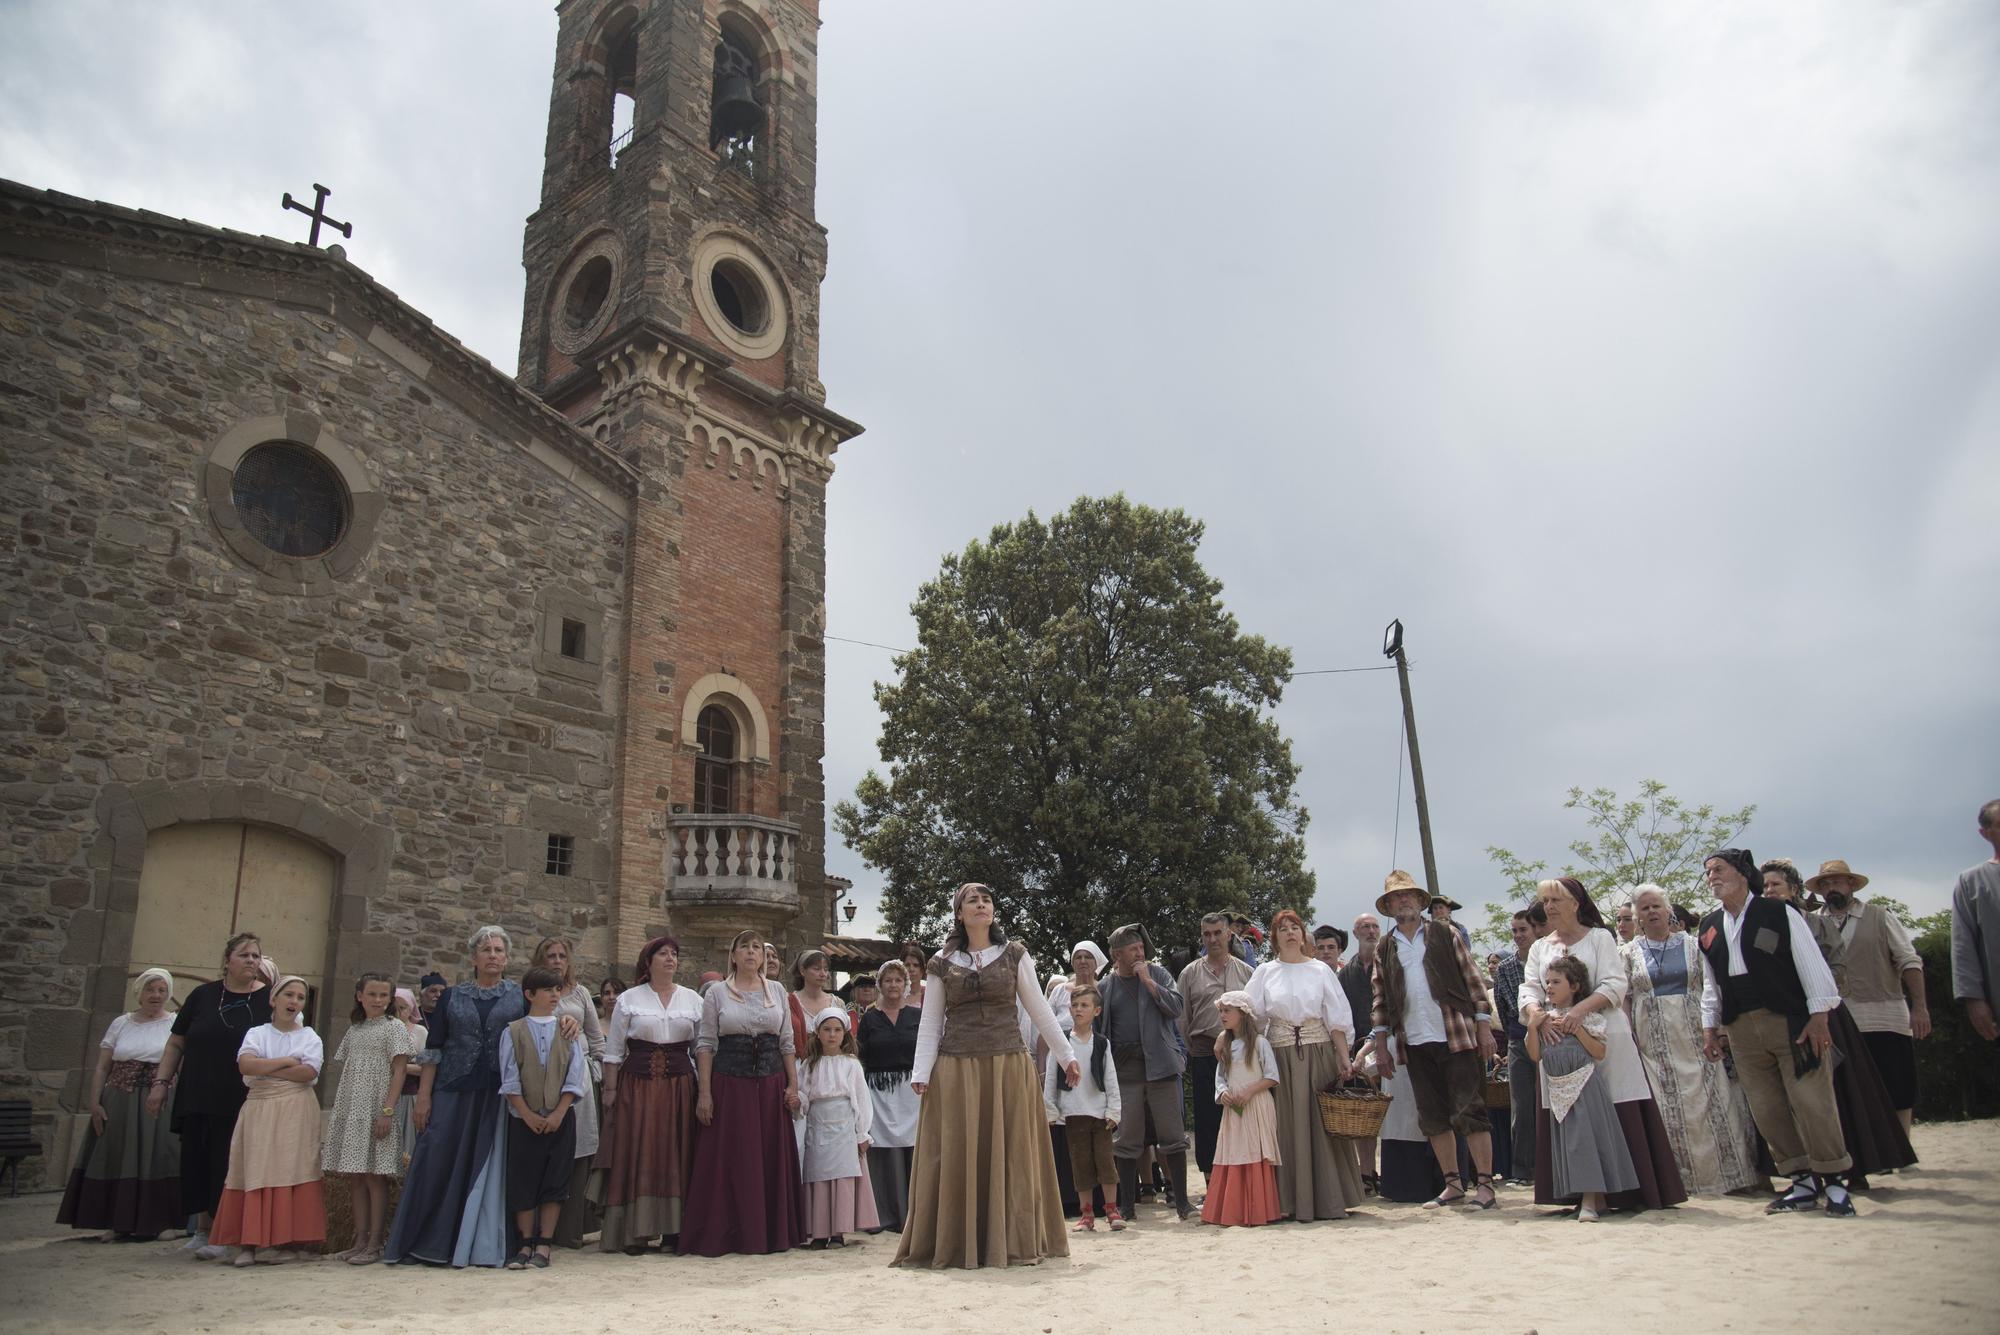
<point>732,861</point>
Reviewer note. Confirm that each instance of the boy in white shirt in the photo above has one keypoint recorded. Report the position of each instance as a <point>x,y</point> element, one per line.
<point>542,1076</point>
<point>1088,1110</point>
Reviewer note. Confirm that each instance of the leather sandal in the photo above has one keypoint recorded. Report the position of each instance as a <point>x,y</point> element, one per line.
<point>1452,1182</point>
<point>1484,1182</point>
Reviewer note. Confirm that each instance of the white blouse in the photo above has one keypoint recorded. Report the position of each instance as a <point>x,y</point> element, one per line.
<point>1624,1074</point>
<point>642,1015</point>
<point>837,1077</point>
<point>1029,992</point>
<point>1294,993</point>
<point>267,1040</point>
<point>726,1011</point>
<point>1267,1062</point>
<point>133,1040</point>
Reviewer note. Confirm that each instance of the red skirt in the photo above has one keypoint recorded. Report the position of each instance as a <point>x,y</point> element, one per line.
<point>1242,1194</point>
<point>271,1217</point>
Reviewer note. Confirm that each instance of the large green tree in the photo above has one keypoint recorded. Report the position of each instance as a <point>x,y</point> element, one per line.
<point>1083,726</point>
<point>1654,837</point>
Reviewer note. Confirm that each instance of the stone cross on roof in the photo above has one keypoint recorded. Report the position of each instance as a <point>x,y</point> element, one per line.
<point>318,214</point>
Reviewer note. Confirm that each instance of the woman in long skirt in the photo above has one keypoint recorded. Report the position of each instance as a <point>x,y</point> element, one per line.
<point>1707,1115</point>
<point>888,1038</point>
<point>453,1209</point>
<point>1307,1021</point>
<point>1578,931</point>
<point>983,1185</point>
<point>646,1157</point>
<point>128,1173</point>
<point>746,1195</point>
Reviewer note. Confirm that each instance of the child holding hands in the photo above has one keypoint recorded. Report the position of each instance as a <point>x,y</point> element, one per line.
<point>1243,1189</point>
<point>1588,1157</point>
<point>1088,1111</point>
<point>542,1075</point>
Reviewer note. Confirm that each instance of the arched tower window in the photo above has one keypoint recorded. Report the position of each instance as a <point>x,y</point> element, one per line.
<point>715,765</point>
<point>737,121</point>
<point>622,75</point>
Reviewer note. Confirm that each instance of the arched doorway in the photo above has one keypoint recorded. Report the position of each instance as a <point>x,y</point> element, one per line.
<point>202,883</point>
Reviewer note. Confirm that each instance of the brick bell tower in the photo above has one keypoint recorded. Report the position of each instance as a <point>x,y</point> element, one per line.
<point>672,311</point>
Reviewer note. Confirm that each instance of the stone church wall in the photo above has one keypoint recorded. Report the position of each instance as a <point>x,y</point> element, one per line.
<point>409,713</point>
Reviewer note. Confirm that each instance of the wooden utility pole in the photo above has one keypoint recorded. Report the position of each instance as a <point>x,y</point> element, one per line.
<point>1392,647</point>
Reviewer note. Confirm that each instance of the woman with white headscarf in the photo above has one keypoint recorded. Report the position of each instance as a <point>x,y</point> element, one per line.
<point>1086,961</point>
<point>128,1173</point>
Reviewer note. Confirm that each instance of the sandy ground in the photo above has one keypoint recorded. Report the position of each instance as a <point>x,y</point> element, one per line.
<point>1921,1257</point>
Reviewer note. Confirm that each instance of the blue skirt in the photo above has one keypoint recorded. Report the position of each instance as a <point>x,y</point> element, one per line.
<point>453,1207</point>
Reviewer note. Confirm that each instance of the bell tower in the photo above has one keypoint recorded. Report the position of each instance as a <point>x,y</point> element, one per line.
<point>672,311</point>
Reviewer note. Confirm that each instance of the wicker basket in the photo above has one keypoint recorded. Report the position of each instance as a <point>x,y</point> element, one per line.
<point>1499,1093</point>
<point>1352,1111</point>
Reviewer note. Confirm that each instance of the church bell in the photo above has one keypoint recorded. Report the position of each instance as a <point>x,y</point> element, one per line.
<point>735,111</point>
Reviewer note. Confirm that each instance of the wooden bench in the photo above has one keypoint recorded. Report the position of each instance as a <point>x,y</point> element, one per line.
<point>17,1137</point>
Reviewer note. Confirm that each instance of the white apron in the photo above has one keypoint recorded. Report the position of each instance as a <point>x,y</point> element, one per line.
<point>832,1146</point>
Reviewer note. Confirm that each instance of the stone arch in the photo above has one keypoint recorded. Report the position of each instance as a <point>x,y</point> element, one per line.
<point>733,695</point>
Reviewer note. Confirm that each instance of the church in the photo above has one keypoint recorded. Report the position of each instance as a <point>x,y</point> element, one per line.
<point>318,625</point>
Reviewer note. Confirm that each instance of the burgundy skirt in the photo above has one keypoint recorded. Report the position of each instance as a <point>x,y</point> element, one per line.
<point>640,1177</point>
<point>745,1196</point>
<point>1652,1155</point>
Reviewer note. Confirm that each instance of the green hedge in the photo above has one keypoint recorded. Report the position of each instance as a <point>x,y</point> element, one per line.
<point>1958,1072</point>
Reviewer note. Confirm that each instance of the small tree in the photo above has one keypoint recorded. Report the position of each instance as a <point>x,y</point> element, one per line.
<point>1653,837</point>
<point>1083,726</point>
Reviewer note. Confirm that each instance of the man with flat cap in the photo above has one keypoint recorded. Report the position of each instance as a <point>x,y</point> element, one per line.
<point>1141,1008</point>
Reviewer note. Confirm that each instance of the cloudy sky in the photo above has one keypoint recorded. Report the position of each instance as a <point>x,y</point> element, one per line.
<point>1644,359</point>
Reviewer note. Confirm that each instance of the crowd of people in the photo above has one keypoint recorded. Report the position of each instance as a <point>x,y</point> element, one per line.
<point>960,1101</point>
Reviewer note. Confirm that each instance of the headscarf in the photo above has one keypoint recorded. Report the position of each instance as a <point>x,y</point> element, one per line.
<point>279,986</point>
<point>432,979</point>
<point>409,998</point>
<point>267,968</point>
<point>1090,948</point>
<point>1745,865</point>
<point>147,976</point>
<point>833,1013</point>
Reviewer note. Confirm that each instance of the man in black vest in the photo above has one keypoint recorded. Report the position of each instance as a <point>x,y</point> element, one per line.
<point>1769,990</point>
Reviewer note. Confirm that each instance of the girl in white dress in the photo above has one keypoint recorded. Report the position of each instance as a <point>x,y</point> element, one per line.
<point>361,1141</point>
<point>837,1113</point>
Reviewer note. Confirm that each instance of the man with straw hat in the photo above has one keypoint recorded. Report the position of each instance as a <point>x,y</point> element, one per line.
<point>1885,981</point>
<point>1430,1001</point>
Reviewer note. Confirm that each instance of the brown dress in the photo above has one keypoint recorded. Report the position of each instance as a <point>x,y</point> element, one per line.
<point>983,1181</point>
